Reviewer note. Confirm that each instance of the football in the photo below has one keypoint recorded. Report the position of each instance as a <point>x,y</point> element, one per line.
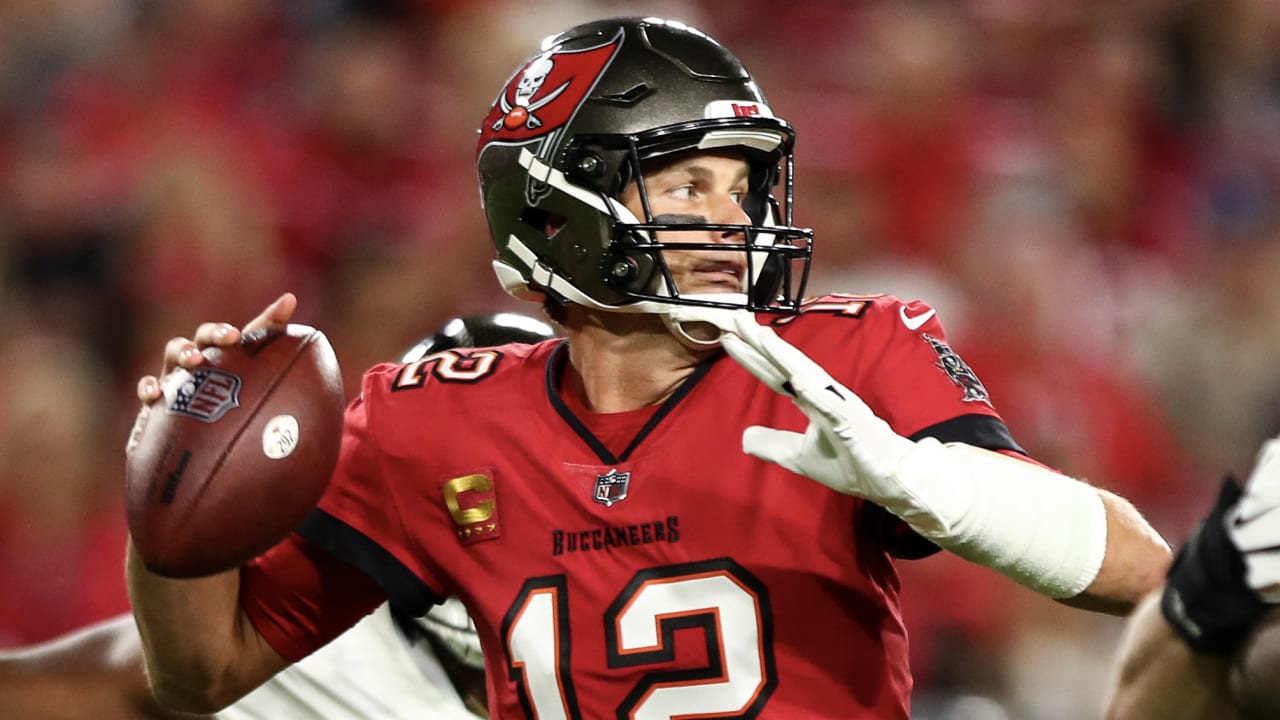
<point>236,453</point>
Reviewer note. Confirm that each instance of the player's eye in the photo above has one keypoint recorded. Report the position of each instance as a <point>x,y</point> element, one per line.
<point>682,192</point>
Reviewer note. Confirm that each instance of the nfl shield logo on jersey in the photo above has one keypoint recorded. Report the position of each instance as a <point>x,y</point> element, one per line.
<point>207,395</point>
<point>612,487</point>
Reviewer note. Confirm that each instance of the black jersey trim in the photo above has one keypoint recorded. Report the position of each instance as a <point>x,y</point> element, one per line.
<point>558,353</point>
<point>406,592</point>
<point>559,356</point>
<point>979,430</point>
<point>669,404</point>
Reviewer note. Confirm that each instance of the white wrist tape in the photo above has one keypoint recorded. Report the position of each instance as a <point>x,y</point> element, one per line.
<point>1045,530</point>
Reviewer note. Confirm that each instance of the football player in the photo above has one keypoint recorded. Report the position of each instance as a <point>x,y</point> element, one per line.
<point>389,665</point>
<point>383,667</point>
<point>1207,647</point>
<point>692,504</point>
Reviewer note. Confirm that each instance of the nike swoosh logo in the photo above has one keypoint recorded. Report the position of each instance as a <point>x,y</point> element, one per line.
<point>914,323</point>
<point>1241,520</point>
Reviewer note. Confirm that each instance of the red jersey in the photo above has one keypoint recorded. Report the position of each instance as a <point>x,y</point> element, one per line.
<point>636,564</point>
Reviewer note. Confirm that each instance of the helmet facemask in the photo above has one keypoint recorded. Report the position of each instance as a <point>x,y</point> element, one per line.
<point>641,251</point>
<point>634,256</point>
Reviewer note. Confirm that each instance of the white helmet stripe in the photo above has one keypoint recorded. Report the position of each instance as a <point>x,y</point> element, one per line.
<point>758,139</point>
<point>542,275</point>
<point>543,172</point>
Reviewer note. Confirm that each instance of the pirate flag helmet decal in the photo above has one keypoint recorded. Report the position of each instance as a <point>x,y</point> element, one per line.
<point>544,94</point>
<point>576,124</point>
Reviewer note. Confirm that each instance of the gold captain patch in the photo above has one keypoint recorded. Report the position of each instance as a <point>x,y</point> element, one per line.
<point>473,505</point>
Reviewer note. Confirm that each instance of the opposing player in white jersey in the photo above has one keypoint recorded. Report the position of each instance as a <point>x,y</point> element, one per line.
<point>1207,645</point>
<point>388,666</point>
<point>382,669</point>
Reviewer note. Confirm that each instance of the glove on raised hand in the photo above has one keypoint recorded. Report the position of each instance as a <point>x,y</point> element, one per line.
<point>1228,572</point>
<point>846,446</point>
<point>1254,524</point>
<point>1043,529</point>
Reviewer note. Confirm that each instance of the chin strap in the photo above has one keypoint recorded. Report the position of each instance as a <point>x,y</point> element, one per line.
<point>685,320</point>
<point>692,332</point>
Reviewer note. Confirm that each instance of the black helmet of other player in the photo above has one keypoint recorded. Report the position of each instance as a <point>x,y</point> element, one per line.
<point>571,129</point>
<point>481,331</point>
<point>451,624</point>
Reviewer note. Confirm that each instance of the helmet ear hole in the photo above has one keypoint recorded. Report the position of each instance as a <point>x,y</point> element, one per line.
<point>547,223</point>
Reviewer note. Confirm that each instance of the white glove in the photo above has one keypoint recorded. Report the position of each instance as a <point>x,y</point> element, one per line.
<point>1254,524</point>
<point>1043,529</point>
<point>846,446</point>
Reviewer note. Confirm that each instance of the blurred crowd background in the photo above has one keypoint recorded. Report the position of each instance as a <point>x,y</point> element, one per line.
<point>1087,191</point>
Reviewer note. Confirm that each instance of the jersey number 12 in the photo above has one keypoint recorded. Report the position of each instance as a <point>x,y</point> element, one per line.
<point>720,597</point>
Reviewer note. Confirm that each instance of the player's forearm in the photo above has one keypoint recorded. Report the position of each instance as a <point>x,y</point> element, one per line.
<point>1135,563</point>
<point>95,671</point>
<point>1062,537</point>
<point>194,638</point>
<point>1160,678</point>
<point>1046,531</point>
<point>76,697</point>
<point>103,648</point>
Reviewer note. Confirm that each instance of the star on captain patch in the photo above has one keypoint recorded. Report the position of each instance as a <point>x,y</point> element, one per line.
<point>612,487</point>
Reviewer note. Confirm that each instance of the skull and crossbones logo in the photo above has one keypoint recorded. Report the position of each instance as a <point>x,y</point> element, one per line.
<point>531,81</point>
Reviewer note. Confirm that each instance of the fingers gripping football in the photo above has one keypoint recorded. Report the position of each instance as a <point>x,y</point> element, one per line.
<point>234,445</point>
<point>185,353</point>
<point>181,352</point>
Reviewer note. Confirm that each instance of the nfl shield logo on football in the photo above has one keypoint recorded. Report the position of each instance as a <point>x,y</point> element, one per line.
<point>207,395</point>
<point>612,487</point>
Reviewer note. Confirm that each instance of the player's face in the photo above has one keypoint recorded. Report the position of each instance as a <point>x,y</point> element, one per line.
<point>702,187</point>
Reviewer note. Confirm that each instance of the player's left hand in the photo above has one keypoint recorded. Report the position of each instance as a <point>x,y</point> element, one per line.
<point>846,446</point>
<point>1226,575</point>
<point>1043,529</point>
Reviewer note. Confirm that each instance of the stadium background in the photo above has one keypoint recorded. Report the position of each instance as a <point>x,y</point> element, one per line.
<point>1086,191</point>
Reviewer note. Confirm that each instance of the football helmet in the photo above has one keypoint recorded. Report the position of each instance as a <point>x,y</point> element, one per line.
<point>451,624</point>
<point>572,128</point>
<point>480,331</point>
